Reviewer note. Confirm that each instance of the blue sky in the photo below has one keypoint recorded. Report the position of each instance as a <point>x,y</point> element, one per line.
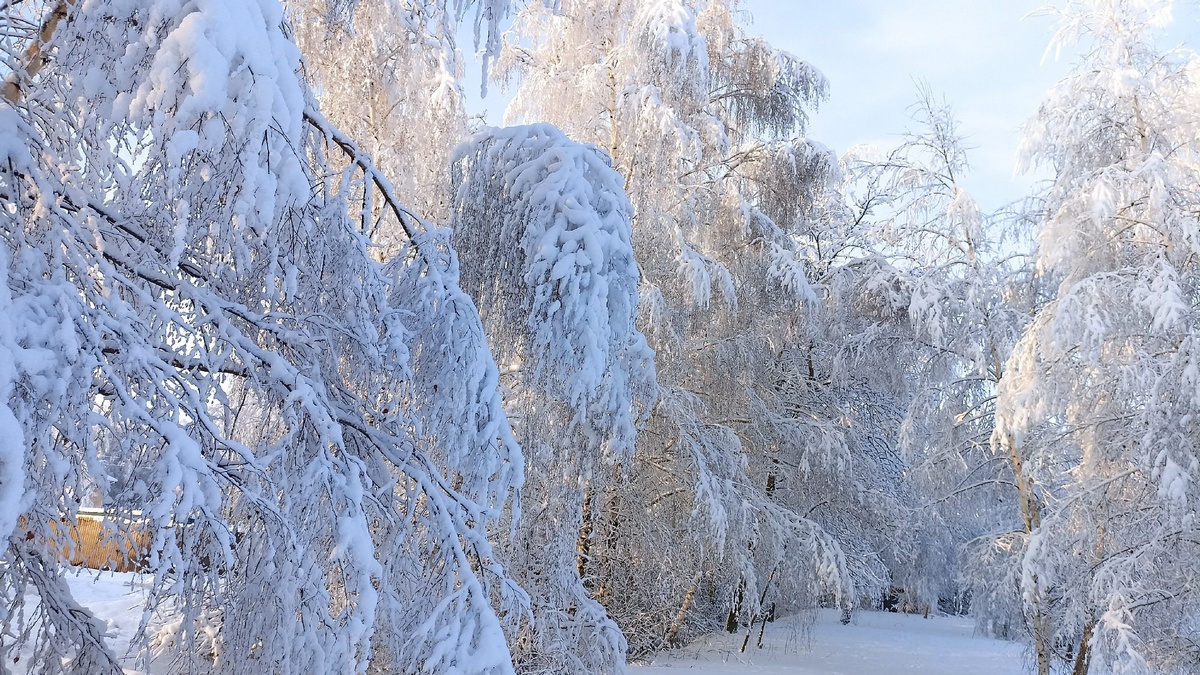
<point>984,57</point>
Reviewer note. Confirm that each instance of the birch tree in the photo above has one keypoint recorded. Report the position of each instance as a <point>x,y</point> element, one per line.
<point>197,338</point>
<point>1099,397</point>
<point>964,292</point>
<point>706,126</point>
<point>543,225</point>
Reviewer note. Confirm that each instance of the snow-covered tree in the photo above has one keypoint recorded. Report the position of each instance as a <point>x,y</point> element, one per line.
<point>708,522</point>
<point>1099,400</point>
<point>961,291</point>
<point>387,74</point>
<point>196,337</point>
<point>543,225</point>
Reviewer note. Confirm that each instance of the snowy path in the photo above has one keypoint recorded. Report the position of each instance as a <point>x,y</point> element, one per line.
<point>879,643</point>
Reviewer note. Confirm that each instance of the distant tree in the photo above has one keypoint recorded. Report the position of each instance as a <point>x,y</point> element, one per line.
<point>388,73</point>
<point>197,337</point>
<point>962,287</point>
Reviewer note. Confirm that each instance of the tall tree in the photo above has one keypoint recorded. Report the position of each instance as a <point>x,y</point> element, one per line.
<point>197,338</point>
<point>710,521</point>
<point>963,290</point>
<point>1099,399</point>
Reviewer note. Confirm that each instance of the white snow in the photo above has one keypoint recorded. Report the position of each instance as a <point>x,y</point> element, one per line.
<point>12,436</point>
<point>877,643</point>
<point>117,599</point>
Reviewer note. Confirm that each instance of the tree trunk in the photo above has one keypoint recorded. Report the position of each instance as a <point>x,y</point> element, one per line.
<point>1084,658</point>
<point>1041,633</point>
<point>583,547</point>
<point>760,615</point>
<point>681,615</point>
<point>731,621</point>
<point>1031,517</point>
<point>612,528</point>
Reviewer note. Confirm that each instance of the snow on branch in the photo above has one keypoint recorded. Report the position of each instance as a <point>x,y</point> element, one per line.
<point>569,297</point>
<point>200,340</point>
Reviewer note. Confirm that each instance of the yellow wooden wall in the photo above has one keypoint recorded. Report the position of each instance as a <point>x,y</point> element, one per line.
<point>91,544</point>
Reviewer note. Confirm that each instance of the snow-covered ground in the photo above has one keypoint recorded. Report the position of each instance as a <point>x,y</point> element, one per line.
<point>877,643</point>
<point>117,599</point>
